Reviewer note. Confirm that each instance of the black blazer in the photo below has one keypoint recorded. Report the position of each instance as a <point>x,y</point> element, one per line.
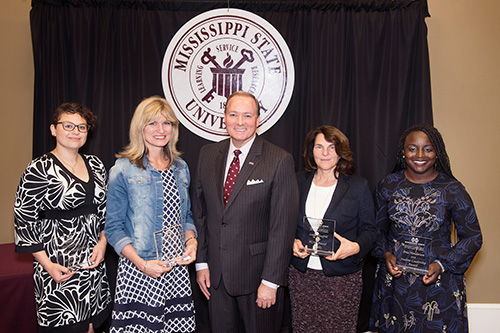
<point>251,238</point>
<point>353,210</point>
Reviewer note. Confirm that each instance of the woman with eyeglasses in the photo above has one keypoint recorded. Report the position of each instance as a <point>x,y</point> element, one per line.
<point>59,218</point>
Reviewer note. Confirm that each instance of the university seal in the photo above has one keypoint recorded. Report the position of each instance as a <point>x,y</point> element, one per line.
<point>217,53</point>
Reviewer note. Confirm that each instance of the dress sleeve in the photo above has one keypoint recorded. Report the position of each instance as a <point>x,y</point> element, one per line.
<point>101,208</point>
<point>383,222</point>
<point>31,191</point>
<point>458,258</point>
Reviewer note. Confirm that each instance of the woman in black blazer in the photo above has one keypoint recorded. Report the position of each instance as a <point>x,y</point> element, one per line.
<point>325,289</point>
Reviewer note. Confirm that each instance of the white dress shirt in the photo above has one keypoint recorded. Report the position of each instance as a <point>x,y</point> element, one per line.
<point>317,202</point>
<point>245,149</point>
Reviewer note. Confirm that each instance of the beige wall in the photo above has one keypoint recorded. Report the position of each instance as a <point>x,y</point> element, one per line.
<point>465,57</point>
<point>16,105</point>
<point>465,72</point>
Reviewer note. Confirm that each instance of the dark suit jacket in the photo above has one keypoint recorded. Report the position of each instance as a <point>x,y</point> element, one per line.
<point>353,210</point>
<point>251,238</point>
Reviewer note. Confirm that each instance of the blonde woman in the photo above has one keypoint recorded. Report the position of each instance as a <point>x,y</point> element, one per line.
<point>148,193</point>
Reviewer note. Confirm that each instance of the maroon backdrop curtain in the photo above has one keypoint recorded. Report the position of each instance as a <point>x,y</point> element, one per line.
<point>361,66</point>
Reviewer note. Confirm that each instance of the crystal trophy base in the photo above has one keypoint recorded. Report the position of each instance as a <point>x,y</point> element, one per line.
<point>83,265</point>
<point>174,262</point>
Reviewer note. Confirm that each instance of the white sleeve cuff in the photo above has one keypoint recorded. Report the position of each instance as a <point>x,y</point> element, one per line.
<point>270,284</point>
<point>201,265</point>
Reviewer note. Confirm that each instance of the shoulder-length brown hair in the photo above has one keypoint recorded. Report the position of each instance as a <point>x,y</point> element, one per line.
<point>345,165</point>
<point>147,111</point>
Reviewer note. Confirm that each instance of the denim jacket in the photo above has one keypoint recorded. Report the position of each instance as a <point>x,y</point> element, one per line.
<point>134,208</point>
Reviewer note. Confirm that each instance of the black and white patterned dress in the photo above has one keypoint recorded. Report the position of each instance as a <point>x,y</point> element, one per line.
<point>51,203</point>
<point>144,304</point>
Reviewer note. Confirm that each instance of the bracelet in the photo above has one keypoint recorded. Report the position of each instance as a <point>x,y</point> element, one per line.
<point>187,240</point>
<point>440,264</point>
<point>145,264</point>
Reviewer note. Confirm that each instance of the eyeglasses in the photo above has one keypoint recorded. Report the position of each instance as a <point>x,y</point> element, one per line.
<point>68,126</point>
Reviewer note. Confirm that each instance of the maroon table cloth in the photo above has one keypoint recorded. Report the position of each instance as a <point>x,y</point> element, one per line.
<point>17,300</point>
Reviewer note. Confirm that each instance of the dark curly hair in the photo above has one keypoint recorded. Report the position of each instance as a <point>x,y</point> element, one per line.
<point>75,108</point>
<point>345,165</point>
<point>442,161</point>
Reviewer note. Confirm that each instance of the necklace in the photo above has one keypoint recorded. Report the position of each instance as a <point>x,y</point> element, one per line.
<point>65,163</point>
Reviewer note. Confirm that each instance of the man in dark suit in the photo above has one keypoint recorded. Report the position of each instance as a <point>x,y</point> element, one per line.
<point>246,223</point>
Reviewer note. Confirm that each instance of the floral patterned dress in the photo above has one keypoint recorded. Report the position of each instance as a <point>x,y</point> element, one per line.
<point>424,212</point>
<point>52,204</point>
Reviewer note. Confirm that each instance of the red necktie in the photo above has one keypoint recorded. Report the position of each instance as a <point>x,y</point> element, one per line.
<point>232,173</point>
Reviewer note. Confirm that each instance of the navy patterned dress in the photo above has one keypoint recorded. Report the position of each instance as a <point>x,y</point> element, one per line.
<point>407,211</point>
<point>162,305</point>
<point>51,204</point>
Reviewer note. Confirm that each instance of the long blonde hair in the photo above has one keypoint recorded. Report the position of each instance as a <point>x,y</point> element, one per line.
<point>146,112</point>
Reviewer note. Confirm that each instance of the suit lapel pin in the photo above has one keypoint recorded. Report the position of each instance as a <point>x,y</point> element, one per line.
<point>251,163</point>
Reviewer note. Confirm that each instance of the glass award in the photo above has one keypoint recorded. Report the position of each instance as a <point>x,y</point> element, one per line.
<point>321,240</point>
<point>169,245</point>
<point>410,254</point>
<point>72,251</point>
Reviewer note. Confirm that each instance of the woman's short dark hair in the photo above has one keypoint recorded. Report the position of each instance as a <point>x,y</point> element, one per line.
<point>345,165</point>
<point>442,161</point>
<point>75,108</point>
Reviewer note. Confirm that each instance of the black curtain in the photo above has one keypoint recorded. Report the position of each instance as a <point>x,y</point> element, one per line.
<point>362,66</point>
